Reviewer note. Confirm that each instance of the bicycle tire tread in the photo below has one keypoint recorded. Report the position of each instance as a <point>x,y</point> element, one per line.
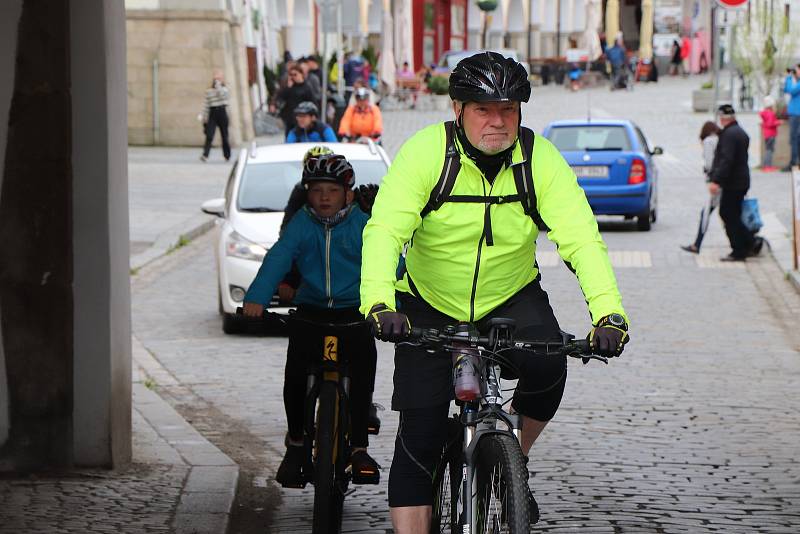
<point>325,500</point>
<point>504,450</point>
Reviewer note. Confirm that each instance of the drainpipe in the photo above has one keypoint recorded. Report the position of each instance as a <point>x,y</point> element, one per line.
<point>155,102</point>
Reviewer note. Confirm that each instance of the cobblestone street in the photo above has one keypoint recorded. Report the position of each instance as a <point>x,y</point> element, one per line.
<point>694,429</point>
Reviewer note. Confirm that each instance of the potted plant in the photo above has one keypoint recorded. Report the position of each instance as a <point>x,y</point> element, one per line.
<point>439,86</point>
<point>703,98</point>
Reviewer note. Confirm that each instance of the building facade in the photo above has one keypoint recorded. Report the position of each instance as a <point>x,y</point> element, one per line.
<point>174,47</point>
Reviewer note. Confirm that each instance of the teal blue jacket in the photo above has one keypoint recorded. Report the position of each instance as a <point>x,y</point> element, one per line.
<point>328,258</point>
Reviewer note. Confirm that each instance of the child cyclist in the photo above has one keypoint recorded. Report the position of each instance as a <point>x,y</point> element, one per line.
<point>324,240</point>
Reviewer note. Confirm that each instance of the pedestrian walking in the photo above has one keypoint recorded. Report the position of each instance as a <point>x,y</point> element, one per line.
<point>215,115</point>
<point>730,174</point>
<point>792,88</point>
<point>676,61</point>
<point>769,131</point>
<point>686,51</point>
<point>289,97</point>
<point>709,137</point>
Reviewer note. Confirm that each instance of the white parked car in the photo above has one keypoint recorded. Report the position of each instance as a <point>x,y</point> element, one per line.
<point>251,210</point>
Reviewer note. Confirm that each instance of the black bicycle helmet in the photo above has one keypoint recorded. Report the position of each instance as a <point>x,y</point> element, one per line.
<point>328,168</point>
<point>489,77</point>
<point>306,108</point>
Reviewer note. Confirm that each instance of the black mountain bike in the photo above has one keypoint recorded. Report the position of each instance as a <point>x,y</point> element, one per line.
<point>326,427</point>
<point>480,483</point>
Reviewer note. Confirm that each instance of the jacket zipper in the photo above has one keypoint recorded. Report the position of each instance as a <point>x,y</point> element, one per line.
<point>478,259</point>
<point>475,281</point>
<point>328,266</point>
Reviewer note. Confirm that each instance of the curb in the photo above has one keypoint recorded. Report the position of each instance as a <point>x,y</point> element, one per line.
<point>210,488</point>
<point>780,247</point>
<point>173,238</point>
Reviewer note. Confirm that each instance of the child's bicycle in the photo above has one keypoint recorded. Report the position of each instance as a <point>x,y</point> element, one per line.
<point>326,427</point>
<point>480,484</point>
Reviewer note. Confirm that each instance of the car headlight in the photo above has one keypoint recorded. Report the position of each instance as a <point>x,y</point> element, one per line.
<point>239,247</point>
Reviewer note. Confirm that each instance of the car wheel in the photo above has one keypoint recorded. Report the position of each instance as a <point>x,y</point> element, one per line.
<point>643,222</point>
<point>232,324</point>
<point>653,216</point>
<point>220,310</point>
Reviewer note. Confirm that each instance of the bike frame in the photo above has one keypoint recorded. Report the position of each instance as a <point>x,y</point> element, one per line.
<point>488,411</point>
<point>330,369</point>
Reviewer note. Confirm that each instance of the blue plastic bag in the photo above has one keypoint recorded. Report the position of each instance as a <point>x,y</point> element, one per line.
<point>750,215</point>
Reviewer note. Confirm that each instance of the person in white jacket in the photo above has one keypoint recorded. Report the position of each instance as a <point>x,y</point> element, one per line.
<point>709,136</point>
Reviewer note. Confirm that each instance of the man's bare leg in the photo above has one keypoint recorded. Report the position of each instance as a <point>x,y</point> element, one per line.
<point>531,428</point>
<point>411,519</point>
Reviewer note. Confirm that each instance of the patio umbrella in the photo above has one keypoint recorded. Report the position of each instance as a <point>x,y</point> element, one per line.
<point>591,38</point>
<point>646,31</point>
<point>612,21</point>
<point>404,48</point>
<point>386,65</point>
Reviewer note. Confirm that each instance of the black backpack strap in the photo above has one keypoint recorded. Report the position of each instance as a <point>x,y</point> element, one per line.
<point>450,169</point>
<point>523,176</point>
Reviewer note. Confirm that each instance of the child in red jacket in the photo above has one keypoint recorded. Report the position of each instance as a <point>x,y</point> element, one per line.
<point>769,130</point>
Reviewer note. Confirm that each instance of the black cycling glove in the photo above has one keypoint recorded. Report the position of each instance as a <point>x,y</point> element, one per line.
<point>365,196</point>
<point>609,336</point>
<point>388,325</point>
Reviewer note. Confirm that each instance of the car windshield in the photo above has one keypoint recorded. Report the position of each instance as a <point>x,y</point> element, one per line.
<point>267,186</point>
<point>587,138</point>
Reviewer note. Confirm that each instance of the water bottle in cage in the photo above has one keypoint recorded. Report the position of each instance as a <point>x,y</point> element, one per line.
<point>466,368</point>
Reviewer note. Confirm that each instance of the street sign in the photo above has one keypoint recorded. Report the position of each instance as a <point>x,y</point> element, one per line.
<point>732,3</point>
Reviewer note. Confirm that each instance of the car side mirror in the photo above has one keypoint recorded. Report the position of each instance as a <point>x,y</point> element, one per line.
<point>657,151</point>
<point>215,206</point>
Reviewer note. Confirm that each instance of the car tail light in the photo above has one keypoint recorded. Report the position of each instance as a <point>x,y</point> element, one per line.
<point>638,172</point>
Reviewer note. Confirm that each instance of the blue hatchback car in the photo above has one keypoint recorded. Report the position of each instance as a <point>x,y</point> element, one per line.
<point>614,165</point>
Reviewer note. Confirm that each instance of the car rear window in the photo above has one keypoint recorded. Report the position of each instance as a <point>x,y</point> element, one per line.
<point>586,137</point>
<point>267,186</point>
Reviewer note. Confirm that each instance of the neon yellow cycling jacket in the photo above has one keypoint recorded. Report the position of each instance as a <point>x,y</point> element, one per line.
<point>447,260</point>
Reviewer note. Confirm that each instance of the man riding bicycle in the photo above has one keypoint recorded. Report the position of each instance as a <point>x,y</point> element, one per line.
<point>324,240</point>
<point>471,257</point>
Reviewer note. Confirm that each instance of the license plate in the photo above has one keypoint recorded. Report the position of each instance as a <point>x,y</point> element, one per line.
<point>591,171</point>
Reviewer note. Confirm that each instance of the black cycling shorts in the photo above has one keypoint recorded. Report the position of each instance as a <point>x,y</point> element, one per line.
<point>422,380</point>
<point>421,436</point>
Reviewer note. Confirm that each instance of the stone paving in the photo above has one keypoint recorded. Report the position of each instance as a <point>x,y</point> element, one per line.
<point>694,429</point>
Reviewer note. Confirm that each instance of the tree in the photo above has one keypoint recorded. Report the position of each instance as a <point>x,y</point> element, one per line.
<point>764,47</point>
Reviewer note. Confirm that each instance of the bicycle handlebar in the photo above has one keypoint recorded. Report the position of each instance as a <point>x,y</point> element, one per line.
<point>568,346</point>
<point>284,318</point>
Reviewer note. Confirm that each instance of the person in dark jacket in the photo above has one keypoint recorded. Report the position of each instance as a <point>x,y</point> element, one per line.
<point>730,173</point>
<point>296,91</point>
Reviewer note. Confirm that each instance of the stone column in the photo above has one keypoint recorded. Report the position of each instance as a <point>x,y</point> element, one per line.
<point>36,237</point>
<point>102,363</point>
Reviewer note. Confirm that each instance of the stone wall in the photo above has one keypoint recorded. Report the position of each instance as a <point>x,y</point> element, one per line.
<point>189,46</point>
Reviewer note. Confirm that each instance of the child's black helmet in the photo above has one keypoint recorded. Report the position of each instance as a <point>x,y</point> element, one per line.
<point>328,168</point>
<point>489,77</point>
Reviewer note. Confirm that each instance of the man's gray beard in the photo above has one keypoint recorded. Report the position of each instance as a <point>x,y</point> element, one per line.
<point>492,151</point>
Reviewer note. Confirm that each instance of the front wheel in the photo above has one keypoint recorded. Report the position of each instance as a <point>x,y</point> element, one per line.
<point>501,486</point>
<point>328,499</point>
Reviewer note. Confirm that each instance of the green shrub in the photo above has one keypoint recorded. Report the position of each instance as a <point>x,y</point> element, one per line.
<point>439,85</point>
